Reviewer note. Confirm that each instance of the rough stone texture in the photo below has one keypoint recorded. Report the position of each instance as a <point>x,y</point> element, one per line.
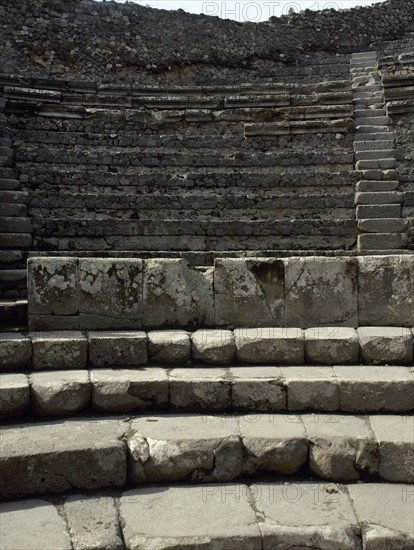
<point>110,294</point>
<point>60,393</point>
<point>386,290</point>
<point>370,388</point>
<point>270,345</point>
<point>395,435</point>
<point>258,389</point>
<point>200,389</point>
<point>386,345</point>
<point>311,389</point>
<point>197,448</point>
<point>273,444</point>
<point>127,390</point>
<point>59,350</point>
<point>93,522</point>
<point>14,394</point>
<point>216,347</point>
<point>249,292</point>
<point>169,346</point>
<point>31,525</point>
<point>332,346</point>
<point>386,513</point>
<point>118,348</point>
<point>15,351</point>
<point>342,448</point>
<point>58,456</point>
<point>177,294</point>
<point>228,520</point>
<point>305,515</point>
<point>321,291</point>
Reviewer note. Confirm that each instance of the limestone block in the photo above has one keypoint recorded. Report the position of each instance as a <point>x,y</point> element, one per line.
<point>321,291</point>
<point>332,346</point>
<point>311,389</point>
<point>274,444</point>
<point>200,389</point>
<point>15,351</point>
<point>177,294</point>
<point>60,393</point>
<point>32,524</point>
<point>54,322</point>
<point>58,456</point>
<point>93,522</point>
<point>110,293</point>
<point>386,345</point>
<point>118,348</point>
<point>249,292</point>
<point>395,435</point>
<point>53,286</point>
<point>169,346</point>
<point>128,390</point>
<point>200,448</point>
<point>14,394</point>
<point>213,346</point>
<point>59,350</point>
<point>211,516</point>
<point>258,389</point>
<point>386,290</point>
<point>342,448</point>
<point>284,346</point>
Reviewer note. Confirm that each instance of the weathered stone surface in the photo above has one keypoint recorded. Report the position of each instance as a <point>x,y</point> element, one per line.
<point>332,345</point>
<point>210,516</point>
<point>53,286</point>
<point>311,389</point>
<point>14,394</point>
<point>110,293</point>
<point>55,457</point>
<point>321,291</point>
<point>258,389</point>
<point>386,345</point>
<point>386,290</point>
<point>193,447</point>
<point>249,292</point>
<point>169,346</point>
<point>93,522</point>
<point>15,351</point>
<point>274,444</point>
<point>60,393</point>
<point>213,346</point>
<point>200,389</point>
<point>59,350</point>
<point>177,294</point>
<point>342,448</point>
<point>305,515</point>
<point>127,390</point>
<point>270,345</point>
<point>118,348</point>
<point>386,513</point>
<point>31,525</point>
<point>54,322</point>
<point>370,388</point>
<point>395,435</point>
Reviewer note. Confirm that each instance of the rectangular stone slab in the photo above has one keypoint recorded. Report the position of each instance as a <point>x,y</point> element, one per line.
<point>15,351</point>
<point>14,394</point>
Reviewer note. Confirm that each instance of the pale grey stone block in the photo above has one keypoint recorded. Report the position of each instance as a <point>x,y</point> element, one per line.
<point>386,345</point>
<point>258,389</point>
<point>59,350</point>
<point>332,345</point>
<point>125,348</point>
<point>214,346</point>
<point>14,394</point>
<point>311,389</point>
<point>15,351</point>
<point>270,345</point>
<point>169,346</point>
<point>200,389</point>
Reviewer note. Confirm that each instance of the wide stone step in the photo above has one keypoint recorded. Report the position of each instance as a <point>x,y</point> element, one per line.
<point>13,313</point>
<point>235,516</point>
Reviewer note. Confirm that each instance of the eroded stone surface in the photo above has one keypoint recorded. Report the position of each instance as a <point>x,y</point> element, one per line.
<point>258,389</point>
<point>169,346</point>
<point>14,394</point>
<point>213,346</point>
<point>118,348</point>
<point>15,351</point>
<point>332,346</point>
<point>200,389</point>
<point>311,389</point>
<point>386,345</point>
<point>270,345</point>
<point>59,350</point>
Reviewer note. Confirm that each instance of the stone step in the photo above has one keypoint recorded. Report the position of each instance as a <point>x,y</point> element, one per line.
<point>384,175</point>
<point>378,211</point>
<point>382,241</point>
<point>390,197</point>
<point>383,225</point>
<point>373,129</point>
<point>15,240</point>
<point>13,197</point>
<point>13,210</point>
<point>9,184</point>
<point>369,112</point>
<point>13,279</point>
<point>372,185</point>
<point>376,154</point>
<point>374,136</point>
<point>13,313</point>
<point>367,120</point>
<point>374,145</point>
<point>379,164</point>
<point>13,224</point>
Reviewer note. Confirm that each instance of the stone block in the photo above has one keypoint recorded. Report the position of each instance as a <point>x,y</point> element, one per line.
<point>332,345</point>
<point>169,346</point>
<point>128,390</point>
<point>59,350</point>
<point>14,394</point>
<point>258,389</point>
<point>213,346</point>
<point>285,346</point>
<point>249,292</point>
<point>176,294</point>
<point>386,345</point>
<point>311,389</point>
<point>198,389</point>
<point>60,393</point>
<point>110,293</point>
<point>15,351</point>
<point>118,348</point>
<point>321,291</point>
<point>54,322</point>
<point>386,290</point>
